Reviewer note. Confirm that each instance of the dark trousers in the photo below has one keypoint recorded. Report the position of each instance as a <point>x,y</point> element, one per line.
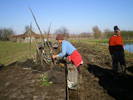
<point>118,61</point>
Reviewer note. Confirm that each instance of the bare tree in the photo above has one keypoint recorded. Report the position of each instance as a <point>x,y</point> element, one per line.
<point>96,32</point>
<point>5,33</point>
<point>107,33</point>
<point>63,31</point>
<point>28,27</point>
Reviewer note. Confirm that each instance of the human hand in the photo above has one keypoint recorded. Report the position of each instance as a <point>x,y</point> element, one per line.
<point>54,56</point>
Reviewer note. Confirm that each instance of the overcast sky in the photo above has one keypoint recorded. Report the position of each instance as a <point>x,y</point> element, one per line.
<point>76,15</point>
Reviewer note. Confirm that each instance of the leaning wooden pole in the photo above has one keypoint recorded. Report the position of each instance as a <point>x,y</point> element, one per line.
<point>41,34</point>
<point>66,74</point>
<point>37,24</point>
<point>30,39</point>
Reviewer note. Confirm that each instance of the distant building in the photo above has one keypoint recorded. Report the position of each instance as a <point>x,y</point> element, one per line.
<point>28,36</point>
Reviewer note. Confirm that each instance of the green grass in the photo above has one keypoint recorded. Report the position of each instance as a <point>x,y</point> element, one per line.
<point>128,41</point>
<point>97,40</point>
<point>90,41</point>
<point>129,56</point>
<point>97,45</point>
<point>11,51</point>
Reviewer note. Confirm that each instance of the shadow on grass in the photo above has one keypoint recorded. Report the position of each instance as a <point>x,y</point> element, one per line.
<point>119,87</point>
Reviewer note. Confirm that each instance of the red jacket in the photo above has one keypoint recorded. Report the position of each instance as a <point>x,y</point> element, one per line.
<point>115,44</point>
<point>115,40</point>
<point>75,58</point>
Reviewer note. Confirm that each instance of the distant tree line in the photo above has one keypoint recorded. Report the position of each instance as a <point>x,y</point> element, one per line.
<point>95,34</point>
<point>127,35</point>
<point>5,33</point>
<point>98,34</point>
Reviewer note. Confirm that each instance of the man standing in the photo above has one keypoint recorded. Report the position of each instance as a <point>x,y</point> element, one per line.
<point>117,51</point>
<point>69,51</point>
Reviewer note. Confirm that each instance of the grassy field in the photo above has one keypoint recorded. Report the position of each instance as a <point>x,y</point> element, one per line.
<point>11,51</point>
<point>98,40</point>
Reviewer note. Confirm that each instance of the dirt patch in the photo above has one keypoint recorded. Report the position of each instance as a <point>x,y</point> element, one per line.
<point>21,81</point>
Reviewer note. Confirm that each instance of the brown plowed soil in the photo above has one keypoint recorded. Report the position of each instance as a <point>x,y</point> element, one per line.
<point>21,80</point>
